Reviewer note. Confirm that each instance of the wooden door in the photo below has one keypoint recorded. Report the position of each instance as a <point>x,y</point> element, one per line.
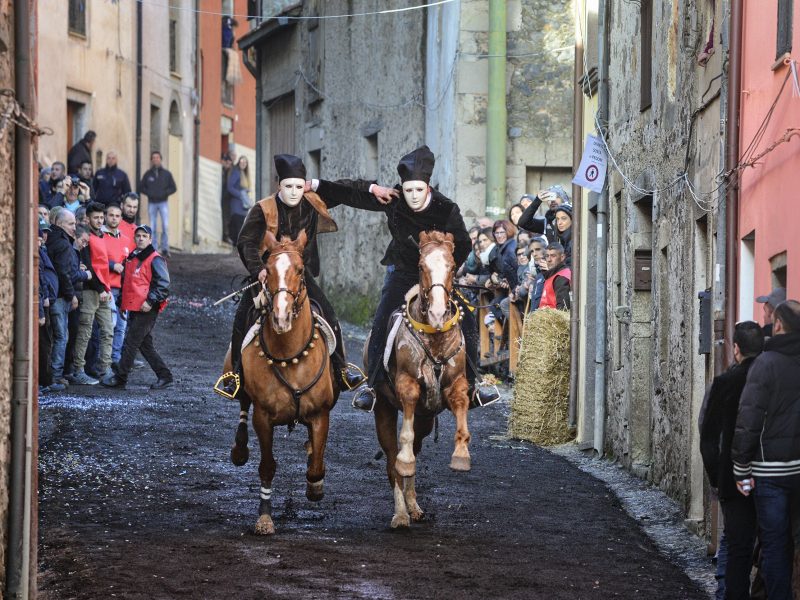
<point>281,134</point>
<point>175,166</point>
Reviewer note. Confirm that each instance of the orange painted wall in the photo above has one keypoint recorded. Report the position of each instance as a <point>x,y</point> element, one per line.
<point>243,111</point>
<point>770,191</point>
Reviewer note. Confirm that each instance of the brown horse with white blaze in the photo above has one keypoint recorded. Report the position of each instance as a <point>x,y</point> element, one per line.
<point>287,372</point>
<point>428,368</point>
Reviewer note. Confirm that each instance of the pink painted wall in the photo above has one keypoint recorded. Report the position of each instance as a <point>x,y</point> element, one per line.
<point>770,191</point>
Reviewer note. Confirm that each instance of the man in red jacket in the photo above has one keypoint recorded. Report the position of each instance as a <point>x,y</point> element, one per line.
<point>557,280</point>
<point>95,302</point>
<point>119,246</point>
<point>145,289</point>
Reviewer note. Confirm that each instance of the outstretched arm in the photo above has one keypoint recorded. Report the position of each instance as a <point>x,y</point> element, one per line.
<point>354,193</point>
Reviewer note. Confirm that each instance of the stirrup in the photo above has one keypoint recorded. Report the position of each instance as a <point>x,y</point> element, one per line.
<point>364,408</point>
<point>343,376</point>
<point>225,378</point>
<point>476,400</point>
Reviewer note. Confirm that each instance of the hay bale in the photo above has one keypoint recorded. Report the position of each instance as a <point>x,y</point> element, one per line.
<point>541,390</point>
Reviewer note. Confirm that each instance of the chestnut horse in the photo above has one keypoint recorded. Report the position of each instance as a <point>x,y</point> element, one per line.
<point>428,368</point>
<point>287,372</point>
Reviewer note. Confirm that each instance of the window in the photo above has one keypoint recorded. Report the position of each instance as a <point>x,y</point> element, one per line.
<point>371,157</point>
<point>173,45</point>
<point>785,17</point>
<point>777,265</point>
<point>77,17</point>
<point>227,88</point>
<point>155,128</point>
<point>646,54</point>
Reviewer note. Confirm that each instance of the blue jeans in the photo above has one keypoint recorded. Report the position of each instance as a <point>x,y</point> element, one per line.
<point>154,209</point>
<point>775,497</point>
<point>120,318</point>
<point>59,313</point>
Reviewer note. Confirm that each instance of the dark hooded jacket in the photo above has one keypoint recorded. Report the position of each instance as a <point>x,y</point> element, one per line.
<point>718,425</point>
<point>405,225</point>
<point>157,184</point>
<point>767,438</point>
<point>503,261</point>
<point>110,185</point>
<point>78,154</point>
<point>62,255</point>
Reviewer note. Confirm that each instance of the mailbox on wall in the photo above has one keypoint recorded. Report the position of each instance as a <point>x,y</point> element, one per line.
<point>642,271</point>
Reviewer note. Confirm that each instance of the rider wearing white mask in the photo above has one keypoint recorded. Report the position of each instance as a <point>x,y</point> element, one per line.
<point>285,213</point>
<point>424,209</point>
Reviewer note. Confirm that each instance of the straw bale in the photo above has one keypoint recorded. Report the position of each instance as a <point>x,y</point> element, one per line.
<point>541,389</point>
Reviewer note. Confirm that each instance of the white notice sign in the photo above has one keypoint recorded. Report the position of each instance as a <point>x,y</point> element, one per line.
<point>592,171</point>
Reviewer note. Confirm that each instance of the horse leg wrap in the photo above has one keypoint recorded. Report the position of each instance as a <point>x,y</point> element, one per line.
<point>314,491</point>
<point>265,507</point>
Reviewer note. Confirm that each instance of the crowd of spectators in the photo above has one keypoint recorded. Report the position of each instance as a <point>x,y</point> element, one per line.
<point>89,237</point>
<point>524,259</point>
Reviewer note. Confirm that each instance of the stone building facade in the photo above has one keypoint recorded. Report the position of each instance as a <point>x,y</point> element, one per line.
<point>351,95</point>
<point>665,264</point>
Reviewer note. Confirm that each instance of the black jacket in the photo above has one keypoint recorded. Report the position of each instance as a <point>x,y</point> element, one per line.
<point>767,438</point>
<point>405,225</point>
<point>61,252</point>
<point>78,154</point>
<point>503,261</point>
<point>159,281</point>
<point>718,425</point>
<point>110,184</point>
<point>529,221</point>
<point>157,184</point>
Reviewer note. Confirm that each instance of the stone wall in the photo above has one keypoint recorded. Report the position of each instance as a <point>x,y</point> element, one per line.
<point>656,375</point>
<point>7,277</point>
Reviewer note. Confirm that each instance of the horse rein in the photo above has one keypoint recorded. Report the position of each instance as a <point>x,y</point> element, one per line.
<point>297,301</point>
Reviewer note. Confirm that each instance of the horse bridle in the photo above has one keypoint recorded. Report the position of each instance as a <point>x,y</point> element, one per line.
<point>297,296</point>
<point>424,293</point>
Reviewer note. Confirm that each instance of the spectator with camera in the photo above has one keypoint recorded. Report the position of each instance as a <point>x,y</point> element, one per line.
<point>96,301</point>
<point>111,183</point>
<point>554,196</point>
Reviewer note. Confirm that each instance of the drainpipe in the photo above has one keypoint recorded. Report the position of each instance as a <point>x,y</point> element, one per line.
<point>577,202</point>
<point>496,117</point>
<point>196,158</point>
<point>602,245</point>
<point>18,515</point>
<point>732,159</point>
<point>139,21</point>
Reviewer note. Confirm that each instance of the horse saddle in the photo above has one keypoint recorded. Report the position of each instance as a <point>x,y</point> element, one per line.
<point>324,327</point>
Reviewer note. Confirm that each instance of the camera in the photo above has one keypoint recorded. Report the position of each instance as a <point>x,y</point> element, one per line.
<point>74,179</point>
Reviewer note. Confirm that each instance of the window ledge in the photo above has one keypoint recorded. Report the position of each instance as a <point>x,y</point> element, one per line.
<point>77,35</point>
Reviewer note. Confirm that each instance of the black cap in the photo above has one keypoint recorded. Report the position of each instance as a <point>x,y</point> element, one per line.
<point>145,228</point>
<point>565,208</point>
<point>417,165</point>
<point>289,166</point>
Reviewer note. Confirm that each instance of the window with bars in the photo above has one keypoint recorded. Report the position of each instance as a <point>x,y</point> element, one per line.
<point>77,17</point>
<point>646,53</point>
<point>173,45</point>
<point>785,17</point>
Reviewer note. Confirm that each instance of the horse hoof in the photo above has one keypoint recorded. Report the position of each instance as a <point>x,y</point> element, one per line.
<point>460,463</point>
<point>241,435</point>
<point>416,515</point>
<point>265,526</point>
<point>405,469</point>
<point>400,521</point>
<point>239,455</point>
<point>314,491</point>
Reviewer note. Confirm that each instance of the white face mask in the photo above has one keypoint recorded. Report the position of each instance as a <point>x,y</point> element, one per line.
<point>291,190</point>
<point>416,194</point>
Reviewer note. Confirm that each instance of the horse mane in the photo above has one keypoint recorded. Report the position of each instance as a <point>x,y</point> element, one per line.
<point>410,294</point>
<point>438,237</point>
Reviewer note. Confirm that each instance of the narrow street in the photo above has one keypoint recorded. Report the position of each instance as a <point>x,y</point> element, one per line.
<point>138,497</point>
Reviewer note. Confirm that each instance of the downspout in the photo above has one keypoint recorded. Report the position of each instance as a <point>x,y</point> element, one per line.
<point>139,21</point>
<point>577,202</point>
<point>496,114</point>
<point>732,159</point>
<point>18,543</point>
<point>196,158</point>
<point>602,245</point>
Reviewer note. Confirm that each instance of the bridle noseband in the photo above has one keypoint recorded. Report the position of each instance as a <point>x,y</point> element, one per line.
<point>297,296</point>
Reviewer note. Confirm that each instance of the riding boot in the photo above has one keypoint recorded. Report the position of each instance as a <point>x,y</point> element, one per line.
<point>364,399</point>
<point>229,384</point>
<point>481,393</point>
<point>349,375</point>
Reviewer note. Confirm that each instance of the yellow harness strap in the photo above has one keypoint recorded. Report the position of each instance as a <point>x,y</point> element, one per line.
<point>424,327</point>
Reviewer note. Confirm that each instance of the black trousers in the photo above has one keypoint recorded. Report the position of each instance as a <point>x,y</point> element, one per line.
<point>139,338</point>
<point>45,349</point>
<point>740,533</point>
<point>246,316</point>
<point>235,223</point>
<point>395,286</point>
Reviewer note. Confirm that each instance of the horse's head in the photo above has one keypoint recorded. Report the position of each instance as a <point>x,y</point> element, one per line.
<point>285,286</point>
<point>436,270</point>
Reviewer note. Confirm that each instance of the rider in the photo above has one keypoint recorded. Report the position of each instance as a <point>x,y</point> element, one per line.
<point>424,209</point>
<point>286,213</point>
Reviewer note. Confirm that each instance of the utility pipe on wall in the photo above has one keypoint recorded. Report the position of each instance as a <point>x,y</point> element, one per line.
<point>196,111</point>
<point>496,115</point>
<point>731,160</point>
<point>18,542</point>
<point>138,150</point>
<point>602,245</point>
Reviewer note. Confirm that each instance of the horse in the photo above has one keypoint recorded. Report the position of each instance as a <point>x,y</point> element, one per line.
<point>428,371</point>
<point>287,373</point>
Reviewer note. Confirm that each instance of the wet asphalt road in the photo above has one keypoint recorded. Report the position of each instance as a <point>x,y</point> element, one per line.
<point>138,498</point>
